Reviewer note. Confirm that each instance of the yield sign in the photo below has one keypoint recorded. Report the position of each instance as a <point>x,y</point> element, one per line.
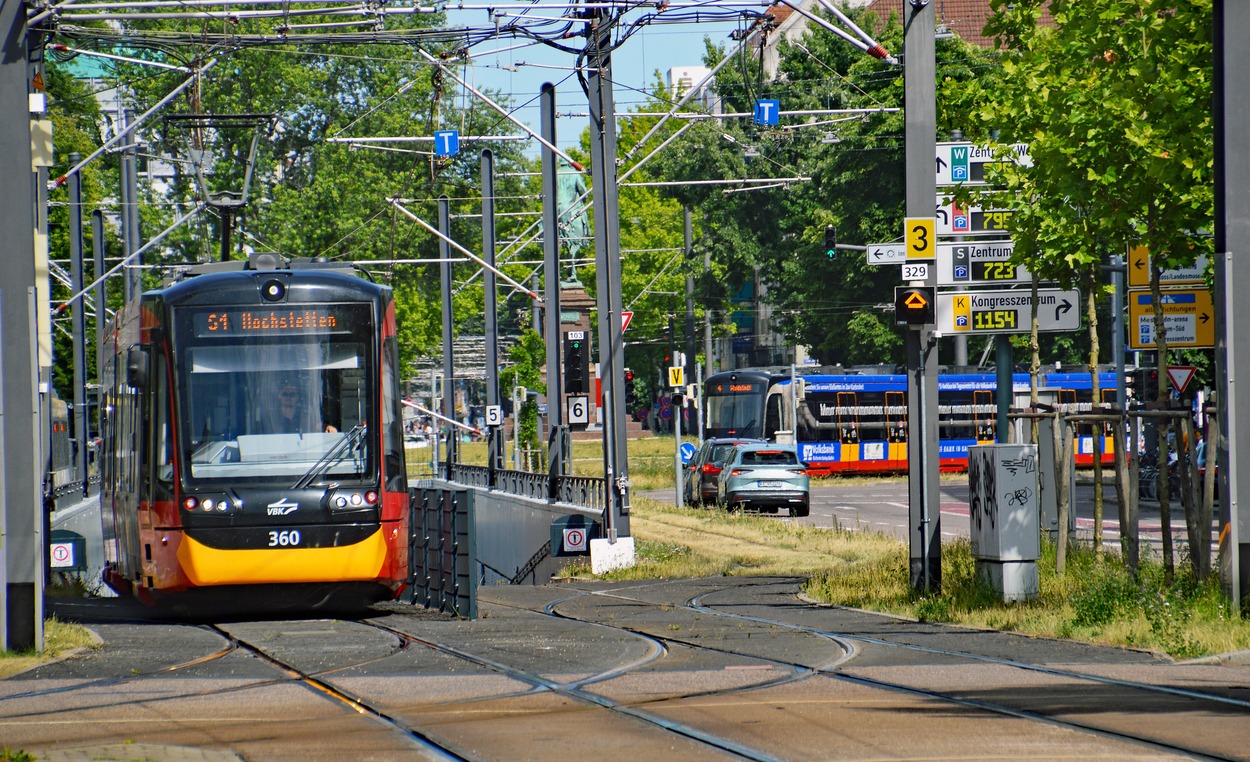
<point>626,316</point>
<point>1180,375</point>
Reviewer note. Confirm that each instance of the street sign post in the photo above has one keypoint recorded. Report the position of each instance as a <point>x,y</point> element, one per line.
<point>886,253</point>
<point>1007,311</point>
<point>1188,317</point>
<point>953,219</point>
<point>1139,271</point>
<point>974,262</point>
<point>965,162</point>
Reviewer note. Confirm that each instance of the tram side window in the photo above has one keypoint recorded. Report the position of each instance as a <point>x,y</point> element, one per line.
<point>1071,402</point>
<point>772,417</point>
<point>871,417</point>
<point>392,420</point>
<point>162,444</point>
<point>955,416</point>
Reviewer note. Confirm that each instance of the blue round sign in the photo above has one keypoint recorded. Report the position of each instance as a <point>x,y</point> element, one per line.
<point>687,452</point>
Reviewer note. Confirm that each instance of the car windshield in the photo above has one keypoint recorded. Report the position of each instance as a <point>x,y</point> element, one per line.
<point>720,453</point>
<point>769,458</point>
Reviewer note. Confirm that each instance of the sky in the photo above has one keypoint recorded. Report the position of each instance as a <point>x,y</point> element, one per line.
<point>634,64</point>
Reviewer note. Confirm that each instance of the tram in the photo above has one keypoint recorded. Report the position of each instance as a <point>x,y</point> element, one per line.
<point>252,436</point>
<point>857,422</point>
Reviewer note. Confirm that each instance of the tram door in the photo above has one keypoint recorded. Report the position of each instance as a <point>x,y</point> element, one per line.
<point>896,416</point>
<point>984,412</point>
<point>848,418</point>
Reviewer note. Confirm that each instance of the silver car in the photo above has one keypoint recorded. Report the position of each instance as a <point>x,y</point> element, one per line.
<point>765,476</point>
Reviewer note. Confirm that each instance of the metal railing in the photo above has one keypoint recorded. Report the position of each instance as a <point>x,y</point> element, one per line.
<point>584,491</point>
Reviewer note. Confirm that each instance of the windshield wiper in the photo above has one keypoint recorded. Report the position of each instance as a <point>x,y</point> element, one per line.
<point>333,456</point>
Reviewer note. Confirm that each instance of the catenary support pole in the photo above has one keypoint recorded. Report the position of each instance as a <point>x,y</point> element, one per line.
<point>449,382</point>
<point>21,513</point>
<point>920,130</point>
<point>79,328</point>
<point>494,434</point>
<point>1232,277</point>
<point>608,274</point>
<point>551,277</point>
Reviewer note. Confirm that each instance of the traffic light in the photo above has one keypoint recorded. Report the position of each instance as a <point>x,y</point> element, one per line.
<point>630,400</point>
<point>913,305</point>
<point>1146,385</point>
<point>575,362</point>
<point>831,241</point>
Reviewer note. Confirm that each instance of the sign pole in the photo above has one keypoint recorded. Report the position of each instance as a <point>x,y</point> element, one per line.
<point>920,130</point>
<point>677,453</point>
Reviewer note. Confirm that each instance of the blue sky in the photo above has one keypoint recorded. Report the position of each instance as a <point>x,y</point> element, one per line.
<point>634,64</point>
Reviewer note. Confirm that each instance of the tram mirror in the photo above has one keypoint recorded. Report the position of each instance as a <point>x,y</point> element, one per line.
<point>137,361</point>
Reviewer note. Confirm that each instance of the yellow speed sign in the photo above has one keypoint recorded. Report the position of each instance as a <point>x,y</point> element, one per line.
<point>918,234</point>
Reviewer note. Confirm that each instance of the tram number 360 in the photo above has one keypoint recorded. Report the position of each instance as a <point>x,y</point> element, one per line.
<point>284,539</point>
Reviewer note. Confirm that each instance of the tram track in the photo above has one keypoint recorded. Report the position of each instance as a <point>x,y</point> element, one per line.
<point>853,642</point>
<point>685,669</point>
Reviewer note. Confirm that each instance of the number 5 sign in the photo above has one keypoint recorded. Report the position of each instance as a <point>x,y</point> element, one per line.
<point>918,234</point>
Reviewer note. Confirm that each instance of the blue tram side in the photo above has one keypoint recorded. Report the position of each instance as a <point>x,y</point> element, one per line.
<point>857,423</point>
<point>198,490</point>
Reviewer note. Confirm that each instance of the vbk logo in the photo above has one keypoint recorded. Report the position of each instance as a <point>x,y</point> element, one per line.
<point>281,508</point>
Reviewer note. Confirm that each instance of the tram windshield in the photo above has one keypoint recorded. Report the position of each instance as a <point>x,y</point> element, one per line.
<point>290,404</point>
<point>735,408</point>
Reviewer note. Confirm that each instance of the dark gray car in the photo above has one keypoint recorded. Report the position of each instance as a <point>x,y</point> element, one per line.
<point>703,469</point>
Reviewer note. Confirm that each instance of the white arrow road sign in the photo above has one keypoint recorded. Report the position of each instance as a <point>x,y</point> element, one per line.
<point>965,163</point>
<point>1010,311</point>
<point>887,253</point>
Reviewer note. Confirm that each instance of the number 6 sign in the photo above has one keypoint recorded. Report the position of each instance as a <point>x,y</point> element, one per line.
<point>579,409</point>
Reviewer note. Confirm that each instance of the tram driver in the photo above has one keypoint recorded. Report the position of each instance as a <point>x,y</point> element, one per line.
<point>291,414</point>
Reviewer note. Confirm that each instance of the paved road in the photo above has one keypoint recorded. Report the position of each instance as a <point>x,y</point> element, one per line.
<point>705,669</point>
<point>882,506</point>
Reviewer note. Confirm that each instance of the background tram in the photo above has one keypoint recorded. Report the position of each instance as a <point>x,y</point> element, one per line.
<point>857,423</point>
<point>201,487</point>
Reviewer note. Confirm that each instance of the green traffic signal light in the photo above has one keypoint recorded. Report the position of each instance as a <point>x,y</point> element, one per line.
<point>831,241</point>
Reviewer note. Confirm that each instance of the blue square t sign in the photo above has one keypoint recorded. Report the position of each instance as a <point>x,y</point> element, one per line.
<point>767,111</point>
<point>446,142</point>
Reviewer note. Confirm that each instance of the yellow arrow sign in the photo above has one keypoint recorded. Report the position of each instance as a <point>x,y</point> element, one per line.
<point>915,300</point>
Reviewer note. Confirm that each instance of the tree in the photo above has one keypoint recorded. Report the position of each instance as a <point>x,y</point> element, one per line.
<point>1115,105</point>
<point>312,198</point>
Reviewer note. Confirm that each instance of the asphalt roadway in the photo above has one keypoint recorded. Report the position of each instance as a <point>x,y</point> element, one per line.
<point>881,505</point>
<point>701,669</point>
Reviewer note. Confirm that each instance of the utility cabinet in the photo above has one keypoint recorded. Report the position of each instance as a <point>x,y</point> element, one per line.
<point>1003,517</point>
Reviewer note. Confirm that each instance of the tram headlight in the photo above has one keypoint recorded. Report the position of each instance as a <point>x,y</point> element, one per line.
<point>207,504</point>
<point>352,500</point>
